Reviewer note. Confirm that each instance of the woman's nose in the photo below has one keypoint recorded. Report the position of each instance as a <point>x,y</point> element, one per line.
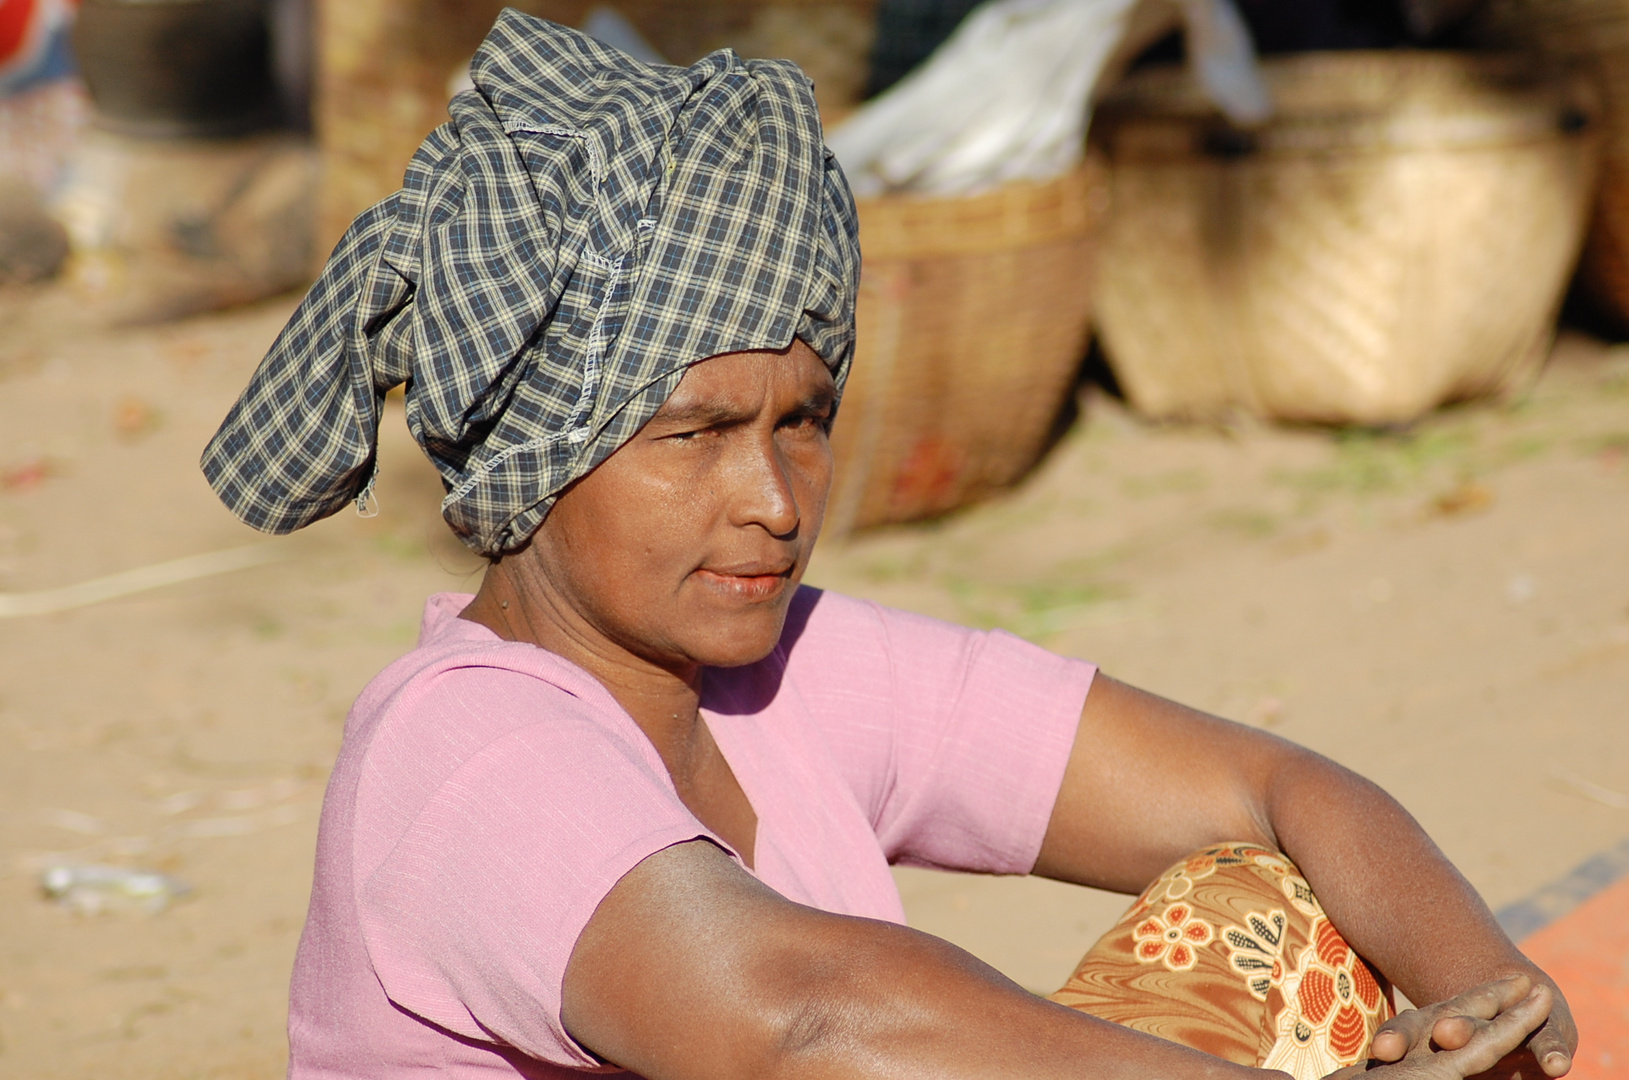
<point>763,493</point>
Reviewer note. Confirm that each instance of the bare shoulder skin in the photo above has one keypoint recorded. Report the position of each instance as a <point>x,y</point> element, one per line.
<point>682,551</point>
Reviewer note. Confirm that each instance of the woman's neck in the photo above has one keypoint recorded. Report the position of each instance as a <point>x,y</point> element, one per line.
<point>664,702</point>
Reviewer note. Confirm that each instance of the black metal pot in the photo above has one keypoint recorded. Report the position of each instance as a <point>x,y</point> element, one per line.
<point>177,67</point>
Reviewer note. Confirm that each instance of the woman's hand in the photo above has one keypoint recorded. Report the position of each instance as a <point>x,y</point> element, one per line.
<point>1150,780</point>
<point>1451,1024</point>
<point>1474,1034</point>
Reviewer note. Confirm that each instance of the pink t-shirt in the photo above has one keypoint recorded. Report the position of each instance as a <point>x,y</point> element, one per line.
<point>489,794</point>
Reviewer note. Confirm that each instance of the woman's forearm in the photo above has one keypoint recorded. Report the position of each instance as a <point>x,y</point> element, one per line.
<point>1394,895</point>
<point>1151,780</point>
<point>903,1004</point>
<point>690,970</point>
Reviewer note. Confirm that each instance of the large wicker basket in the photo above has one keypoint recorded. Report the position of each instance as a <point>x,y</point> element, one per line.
<point>973,319</point>
<point>1593,36</point>
<point>1399,236</point>
<point>384,66</point>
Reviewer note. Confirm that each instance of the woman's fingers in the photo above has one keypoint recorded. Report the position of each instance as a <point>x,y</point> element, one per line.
<point>1495,1038</point>
<point>1472,1032</point>
<point>1400,1034</point>
<point>1490,999</point>
<point>1449,1024</point>
<point>1553,1044</point>
<point>1456,1018</point>
<point>1390,1042</point>
<point>1452,1032</point>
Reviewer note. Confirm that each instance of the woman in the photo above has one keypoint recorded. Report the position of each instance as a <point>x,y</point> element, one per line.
<point>633,803</point>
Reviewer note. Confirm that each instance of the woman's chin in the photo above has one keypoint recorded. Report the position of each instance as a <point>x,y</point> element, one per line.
<point>739,641</point>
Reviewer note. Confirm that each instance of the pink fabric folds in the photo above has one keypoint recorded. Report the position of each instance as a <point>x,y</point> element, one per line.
<point>489,794</point>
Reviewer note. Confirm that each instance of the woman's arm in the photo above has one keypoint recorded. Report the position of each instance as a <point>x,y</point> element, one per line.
<point>1149,781</point>
<point>690,969</point>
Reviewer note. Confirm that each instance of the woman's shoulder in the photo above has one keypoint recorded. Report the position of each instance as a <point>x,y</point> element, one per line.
<point>842,653</point>
<point>843,648</point>
<point>466,703</point>
<point>452,647</point>
<point>464,685</point>
<point>829,627</point>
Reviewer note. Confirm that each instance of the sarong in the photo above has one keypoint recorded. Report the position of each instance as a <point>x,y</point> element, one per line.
<point>1229,952</point>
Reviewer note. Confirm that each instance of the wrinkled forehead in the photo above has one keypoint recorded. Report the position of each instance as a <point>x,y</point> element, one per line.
<point>739,386</point>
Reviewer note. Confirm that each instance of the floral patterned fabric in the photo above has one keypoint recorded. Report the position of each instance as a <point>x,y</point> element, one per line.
<point>1229,952</point>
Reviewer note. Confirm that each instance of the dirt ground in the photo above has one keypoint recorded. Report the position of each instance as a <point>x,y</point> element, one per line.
<point>1444,609</point>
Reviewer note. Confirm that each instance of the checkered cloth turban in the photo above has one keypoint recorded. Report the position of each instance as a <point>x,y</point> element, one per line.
<point>584,229</point>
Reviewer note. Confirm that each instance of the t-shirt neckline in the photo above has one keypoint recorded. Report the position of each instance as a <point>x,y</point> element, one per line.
<point>443,621</point>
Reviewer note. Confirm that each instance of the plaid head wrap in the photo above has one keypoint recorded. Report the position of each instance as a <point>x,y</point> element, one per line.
<point>584,229</point>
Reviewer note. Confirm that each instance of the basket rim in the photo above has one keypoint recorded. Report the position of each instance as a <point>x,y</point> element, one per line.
<point>1020,214</point>
<point>1357,102</point>
<point>1329,83</point>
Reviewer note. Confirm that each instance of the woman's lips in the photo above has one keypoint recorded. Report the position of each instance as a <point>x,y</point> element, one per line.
<point>753,584</point>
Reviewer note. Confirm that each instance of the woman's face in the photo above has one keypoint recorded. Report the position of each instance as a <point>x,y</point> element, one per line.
<point>686,545</point>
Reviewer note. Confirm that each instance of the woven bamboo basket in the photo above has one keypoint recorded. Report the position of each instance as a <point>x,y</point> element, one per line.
<point>973,319</point>
<point>1398,236</point>
<point>384,65</point>
<point>1593,36</point>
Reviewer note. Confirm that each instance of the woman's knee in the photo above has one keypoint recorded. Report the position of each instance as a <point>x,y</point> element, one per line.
<point>1229,952</point>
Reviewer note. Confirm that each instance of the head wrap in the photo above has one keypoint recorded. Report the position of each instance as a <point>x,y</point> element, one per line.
<point>585,228</point>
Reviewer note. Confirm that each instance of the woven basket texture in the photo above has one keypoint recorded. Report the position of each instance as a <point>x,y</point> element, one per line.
<point>1398,236</point>
<point>384,65</point>
<point>974,315</point>
<point>1592,36</point>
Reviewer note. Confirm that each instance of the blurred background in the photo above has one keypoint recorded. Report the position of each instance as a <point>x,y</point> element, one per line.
<point>1266,352</point>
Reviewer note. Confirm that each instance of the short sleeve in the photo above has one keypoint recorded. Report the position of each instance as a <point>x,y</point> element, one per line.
<point>471,916</point>
<point>954,740</point>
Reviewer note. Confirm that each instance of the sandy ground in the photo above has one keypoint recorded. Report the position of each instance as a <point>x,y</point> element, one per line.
<point>1446,610</point>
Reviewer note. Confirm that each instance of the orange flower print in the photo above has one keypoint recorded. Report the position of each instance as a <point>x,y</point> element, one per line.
<point>1333,1006</point>
<point>1272,862</point>
<point>1135,912</point>
<point>1179,880</point>
<point>1173,938</point>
